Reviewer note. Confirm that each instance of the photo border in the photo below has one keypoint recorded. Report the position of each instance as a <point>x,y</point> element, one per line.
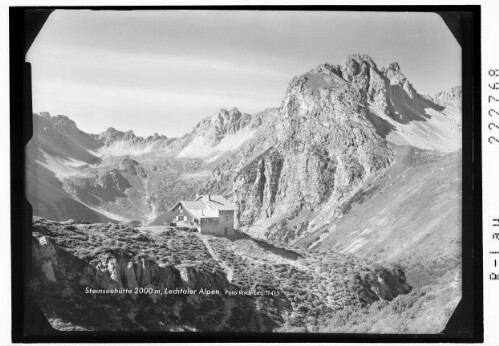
<point>465,325</point>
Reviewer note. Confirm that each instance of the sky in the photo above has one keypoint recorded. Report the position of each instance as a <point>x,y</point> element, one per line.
<point>164,71</point>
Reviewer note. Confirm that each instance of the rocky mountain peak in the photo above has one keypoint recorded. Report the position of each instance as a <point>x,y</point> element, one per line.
<point>394,66</point>
<point>448,97</point>
<point>454,93</point>
<point>110,130</point>
<point>327,68</point>
<point>360,78</point>
<point>325,144</point>
<point>357,64</point>
<point>156,137</point>
<point>331,136</point>
<point>225,117</point>
<point>232,112</point>
<point>129,135</point>
<point>396,78</point>
<point>225,122</point>
<point>358,74</point>
<point>60,121</point>
<point>357,79</point>
<point>111,135</point>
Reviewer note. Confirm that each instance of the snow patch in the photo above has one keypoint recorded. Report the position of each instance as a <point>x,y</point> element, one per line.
<point>196,175</point>
<point>61,168</point>
<point>153,214</point>
<point>122,148</point>
<point>357,244</point>
<point>366,232</point>
<point>105,212</point>
<point>321,238</point>
<point>93,152</point>
<point>198,148</point>
<point>439,132</point>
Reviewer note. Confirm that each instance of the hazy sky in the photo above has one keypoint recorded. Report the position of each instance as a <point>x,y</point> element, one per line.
<point>163,71</point>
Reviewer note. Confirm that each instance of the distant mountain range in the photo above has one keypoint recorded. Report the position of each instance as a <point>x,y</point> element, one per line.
<point>338,126</point>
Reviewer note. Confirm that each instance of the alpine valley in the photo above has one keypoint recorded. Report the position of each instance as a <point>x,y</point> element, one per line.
<point>348,214</point>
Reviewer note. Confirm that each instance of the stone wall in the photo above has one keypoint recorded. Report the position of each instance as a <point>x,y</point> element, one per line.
<point>227,220</point>
<point>218,225</point>
<point>210,225</point>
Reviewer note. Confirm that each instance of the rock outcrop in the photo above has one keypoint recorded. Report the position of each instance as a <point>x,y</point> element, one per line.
<point>95,190</point>
<point>226,122</point>
<point>199,278</point>
<point>127,271</point>
<point>325,145</point>
<point>113,179</point>
<point>382,283</point>
<point>132,167</point>
<point>331,135</point>
<point>217,136</point>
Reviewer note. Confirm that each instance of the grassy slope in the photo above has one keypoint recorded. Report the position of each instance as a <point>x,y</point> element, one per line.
<point>314,286</point>
<point>412,212</point>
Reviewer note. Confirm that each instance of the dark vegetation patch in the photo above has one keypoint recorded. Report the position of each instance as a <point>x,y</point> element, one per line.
<point>86,241</point>
<point>313,287</point>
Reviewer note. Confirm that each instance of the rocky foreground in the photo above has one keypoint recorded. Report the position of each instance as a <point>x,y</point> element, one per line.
<point>238,284</point>
<point>112,277</point>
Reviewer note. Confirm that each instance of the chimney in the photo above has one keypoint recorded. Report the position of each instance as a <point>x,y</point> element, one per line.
<point>209,199</point>
<point>197,195</point>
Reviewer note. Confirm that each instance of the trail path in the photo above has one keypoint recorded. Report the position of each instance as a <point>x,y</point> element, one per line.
<point>151,205</point>
<point>228,270</point>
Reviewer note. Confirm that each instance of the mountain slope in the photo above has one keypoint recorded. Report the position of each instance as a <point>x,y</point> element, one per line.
<point>330,138</point>
<point>225,131</point>
<point>56,150</point>
<point>118,176</point>
<point>71,174</point>
<point>327,138</point>
<point>409,211</point>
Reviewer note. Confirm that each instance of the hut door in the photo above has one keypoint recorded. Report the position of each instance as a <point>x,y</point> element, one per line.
<point>226,230</point>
